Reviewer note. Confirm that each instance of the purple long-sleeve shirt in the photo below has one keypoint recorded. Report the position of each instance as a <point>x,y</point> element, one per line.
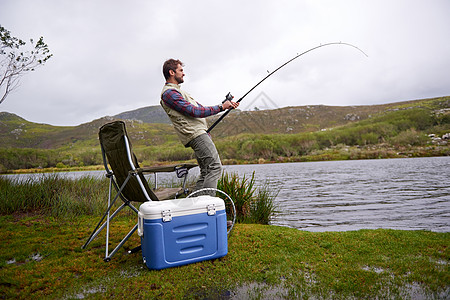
<point>173,99</point>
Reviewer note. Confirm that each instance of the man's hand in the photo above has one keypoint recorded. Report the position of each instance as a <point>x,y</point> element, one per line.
<point>229,104</point>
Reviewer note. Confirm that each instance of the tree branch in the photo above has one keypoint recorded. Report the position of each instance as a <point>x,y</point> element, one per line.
<point>17,61</point>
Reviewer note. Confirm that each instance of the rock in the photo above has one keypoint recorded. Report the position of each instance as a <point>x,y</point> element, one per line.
<point>352,117</point>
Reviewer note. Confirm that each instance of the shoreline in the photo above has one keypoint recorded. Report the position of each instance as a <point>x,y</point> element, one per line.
<point>327,155</point>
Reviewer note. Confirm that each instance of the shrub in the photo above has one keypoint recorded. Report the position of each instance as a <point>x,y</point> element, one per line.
<point>18,158</point>
<point>90,158</point>
<point>252,205</point>
<point>410,137</point>
<point>240,190</point>
<point>263,207</point>
<point>370,138</point>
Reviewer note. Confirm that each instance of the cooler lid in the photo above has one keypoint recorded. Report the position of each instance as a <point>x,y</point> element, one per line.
<point>152,210</point>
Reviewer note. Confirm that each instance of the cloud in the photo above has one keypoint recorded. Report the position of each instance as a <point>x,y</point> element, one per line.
<point>108,54</point>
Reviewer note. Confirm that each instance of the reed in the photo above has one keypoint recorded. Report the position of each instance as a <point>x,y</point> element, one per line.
<point>240,190</point>
<point>53,195</point>
<point>263,207</point>
<point>57,196</point>
<point>253,204</point>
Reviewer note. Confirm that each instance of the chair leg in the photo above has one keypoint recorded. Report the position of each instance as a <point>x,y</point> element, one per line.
<point>101,225</point>
<point>94,235</point>
<point>136,249</point>
<point>108,218</point>
<point>95,232</point>
<point>185,190</point>
<point>108,256</point>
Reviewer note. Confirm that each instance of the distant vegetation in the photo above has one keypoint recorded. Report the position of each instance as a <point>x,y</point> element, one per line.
<point>391,134</point>
<point>306,133</point>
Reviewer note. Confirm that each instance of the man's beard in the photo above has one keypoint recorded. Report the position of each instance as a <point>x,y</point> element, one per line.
<point>179,79</point>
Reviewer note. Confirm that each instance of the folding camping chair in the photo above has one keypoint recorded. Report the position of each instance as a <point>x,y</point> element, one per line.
<point>128,179</point>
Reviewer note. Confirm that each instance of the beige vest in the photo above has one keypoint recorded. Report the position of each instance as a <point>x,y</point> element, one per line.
<point>186,127</point>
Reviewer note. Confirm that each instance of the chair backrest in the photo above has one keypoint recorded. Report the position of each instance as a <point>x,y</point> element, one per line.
<point>117,151</point>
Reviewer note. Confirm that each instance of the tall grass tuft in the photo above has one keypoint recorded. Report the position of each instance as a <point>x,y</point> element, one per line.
<point>253,204</point>
<point>58,196</point>
<point>53,195</point>
<point>263,206</point>
<point>240,190</point>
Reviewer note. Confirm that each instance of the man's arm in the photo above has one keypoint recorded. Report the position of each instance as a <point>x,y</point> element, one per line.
<point>173,99</point>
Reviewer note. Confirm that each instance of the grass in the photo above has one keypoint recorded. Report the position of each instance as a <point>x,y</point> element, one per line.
<point>58,196</point>
<point>41,257</point>
<point>253,204</point>
<point>53,195</point>
<point>54,170</point>
<point>44,224</point>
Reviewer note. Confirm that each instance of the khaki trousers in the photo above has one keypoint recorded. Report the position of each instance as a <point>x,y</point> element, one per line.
<point>208,160</point>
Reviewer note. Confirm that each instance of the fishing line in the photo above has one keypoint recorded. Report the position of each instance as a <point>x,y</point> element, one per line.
<point>229,97</point>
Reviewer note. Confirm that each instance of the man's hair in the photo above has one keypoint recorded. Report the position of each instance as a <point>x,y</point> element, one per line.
<point>170,64</point>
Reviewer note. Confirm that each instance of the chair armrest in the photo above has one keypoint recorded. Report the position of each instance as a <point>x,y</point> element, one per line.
<point>168,168</point>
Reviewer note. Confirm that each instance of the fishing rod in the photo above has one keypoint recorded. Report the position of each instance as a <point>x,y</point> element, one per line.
<point>230,97</point>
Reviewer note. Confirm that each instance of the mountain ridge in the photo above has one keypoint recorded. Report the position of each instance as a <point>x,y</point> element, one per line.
<point>150,125</point>
<point>148,114</point>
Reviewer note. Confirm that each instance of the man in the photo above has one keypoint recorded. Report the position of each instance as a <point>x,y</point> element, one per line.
<point>188,118</point>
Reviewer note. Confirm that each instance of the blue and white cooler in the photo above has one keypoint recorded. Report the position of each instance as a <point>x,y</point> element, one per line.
<point>182,231</point>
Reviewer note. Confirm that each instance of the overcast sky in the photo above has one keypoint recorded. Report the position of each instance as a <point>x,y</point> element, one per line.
<point>108,54</point>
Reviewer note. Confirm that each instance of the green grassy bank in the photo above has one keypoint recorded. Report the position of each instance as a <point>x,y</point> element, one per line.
<point>41,257</point>
<point>44,224</point>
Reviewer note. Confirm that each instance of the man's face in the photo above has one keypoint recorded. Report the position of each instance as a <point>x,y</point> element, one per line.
<point>179,74</point>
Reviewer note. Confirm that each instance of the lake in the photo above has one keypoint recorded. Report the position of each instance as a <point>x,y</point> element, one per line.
<point>407,193</point>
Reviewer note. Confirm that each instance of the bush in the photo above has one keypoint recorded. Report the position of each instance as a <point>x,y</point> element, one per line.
<point>252,205</point>
<point>263,207</point>
<point>90,158</point>
<point>164,153</point>
<point>258,147</point>
<point>410,138</point>
<point>370,138</point>
<point>17,158</point>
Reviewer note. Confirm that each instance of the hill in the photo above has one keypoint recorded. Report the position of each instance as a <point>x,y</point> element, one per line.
<point>285,134</point>
<point>16,132</point>
<point>310,118</point>
<point>148,114</point>
<point>150,126</point>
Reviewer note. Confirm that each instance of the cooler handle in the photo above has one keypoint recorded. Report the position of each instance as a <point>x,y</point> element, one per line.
<point>140,229</point>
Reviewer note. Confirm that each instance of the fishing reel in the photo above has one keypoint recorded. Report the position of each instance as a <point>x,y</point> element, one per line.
<point>228,97</point>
